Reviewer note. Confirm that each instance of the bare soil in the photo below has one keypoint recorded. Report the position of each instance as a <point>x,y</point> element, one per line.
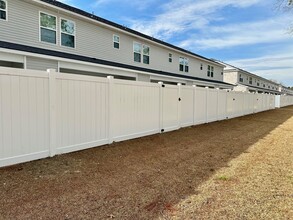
<point>233,169</point>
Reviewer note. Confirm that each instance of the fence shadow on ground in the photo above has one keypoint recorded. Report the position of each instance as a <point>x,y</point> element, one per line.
<point>136,179</point>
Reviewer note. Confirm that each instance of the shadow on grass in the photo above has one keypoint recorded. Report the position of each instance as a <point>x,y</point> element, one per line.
<point>136,179</point>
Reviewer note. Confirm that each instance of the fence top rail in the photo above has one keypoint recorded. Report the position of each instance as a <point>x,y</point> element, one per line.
<point>23,73</point>
<point>135,83</point>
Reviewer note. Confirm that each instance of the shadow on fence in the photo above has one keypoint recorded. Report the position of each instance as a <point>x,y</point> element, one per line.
<point>136,179</point>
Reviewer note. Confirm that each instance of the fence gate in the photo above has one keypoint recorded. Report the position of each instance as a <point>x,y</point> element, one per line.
<point>170,112</point>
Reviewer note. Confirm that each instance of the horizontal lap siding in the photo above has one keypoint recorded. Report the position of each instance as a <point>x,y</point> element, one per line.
<point>41,64</point>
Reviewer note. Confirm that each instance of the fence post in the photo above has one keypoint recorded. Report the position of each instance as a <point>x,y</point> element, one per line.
<point>110,108</point>
<point>194,103</point>
<point>179,104</point>
<point>161,107</point>
<point>52,111</point>
<point>218,94</point>
<point>207,103</point>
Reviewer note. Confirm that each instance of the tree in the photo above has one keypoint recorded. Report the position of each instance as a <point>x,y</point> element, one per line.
<point>286,6</point>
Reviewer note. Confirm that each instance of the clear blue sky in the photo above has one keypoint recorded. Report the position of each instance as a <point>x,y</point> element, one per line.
<point>250,34</point>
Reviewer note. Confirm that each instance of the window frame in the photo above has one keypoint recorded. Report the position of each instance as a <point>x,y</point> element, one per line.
<point>185,65</point>
<point>142,54</point>
<point>40,32</point>
<point>250,80</point>
<point>5,10</point>
<point>212,71</point>
<point>60,34</point>
<point>170,58</point>
<point>116,35</point>
<point>147,55</point>
<point>201,66</point>
<point>136,52</point>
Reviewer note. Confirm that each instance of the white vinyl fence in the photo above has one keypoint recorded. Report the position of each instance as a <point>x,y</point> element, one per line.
<point>47,113</point>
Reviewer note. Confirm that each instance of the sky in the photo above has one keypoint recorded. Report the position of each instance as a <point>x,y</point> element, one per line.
<point>249,34</point>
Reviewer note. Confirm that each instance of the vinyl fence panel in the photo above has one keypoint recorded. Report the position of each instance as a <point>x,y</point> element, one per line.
<point>136,109</point>
<point>170,107</point>
<point>81,111</point>
<point>24,116</point>
<point>187,106</point>
<point>200,105</point>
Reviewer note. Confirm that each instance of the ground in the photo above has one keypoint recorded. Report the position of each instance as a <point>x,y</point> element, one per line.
<point>233,169</point>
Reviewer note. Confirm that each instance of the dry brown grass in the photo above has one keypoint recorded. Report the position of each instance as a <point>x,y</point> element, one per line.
<point>234,169</point>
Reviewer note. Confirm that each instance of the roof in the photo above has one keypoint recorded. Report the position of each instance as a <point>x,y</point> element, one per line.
<point>260,88</point>
<point>121,27</point>
<point>30,49</point>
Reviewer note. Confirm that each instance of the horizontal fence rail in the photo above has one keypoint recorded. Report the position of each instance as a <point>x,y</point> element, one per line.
<point>47,113</point>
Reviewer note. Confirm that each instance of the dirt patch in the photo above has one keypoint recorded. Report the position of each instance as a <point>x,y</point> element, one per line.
<point>160,176</point>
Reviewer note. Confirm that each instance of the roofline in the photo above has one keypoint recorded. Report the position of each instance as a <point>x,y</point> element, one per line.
<point>106,22</point>
<point>239,69</point>
<point>258,88</point>
<point>35,50</point>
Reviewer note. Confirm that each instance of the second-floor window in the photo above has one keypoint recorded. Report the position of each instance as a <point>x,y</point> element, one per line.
<point>183,64</point>
<point>67,33</point>
<point>140,50</point>
<point>116,41</point>
<point>170,58</point>
<point>146,54</point>
<point>3,10</point>
<point>250,80</point>
<point>201,66</point>
<point>240,78</point>
<point>48,24</point>
<point>210,72</point>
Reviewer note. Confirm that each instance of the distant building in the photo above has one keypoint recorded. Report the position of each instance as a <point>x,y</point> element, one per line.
<point>249,82</point>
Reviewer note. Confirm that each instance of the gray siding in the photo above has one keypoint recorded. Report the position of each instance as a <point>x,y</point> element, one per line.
<point>93,40</point>
<point>41,64</point>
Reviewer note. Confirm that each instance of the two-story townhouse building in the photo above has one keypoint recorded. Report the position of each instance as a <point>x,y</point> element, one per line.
<point>43,34</point>
<point>285,90</point>
<point>248,82</point>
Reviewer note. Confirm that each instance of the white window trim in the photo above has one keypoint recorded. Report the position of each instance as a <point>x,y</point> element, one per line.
<point>136,52</point>
<point>145,54</point>
<point>211,71</point>
<point>60,34</point>
<point>184,64</point>
<point>116,41</point>
<point>48,28</point>
<point>6,10</point>
<point>141,53</point>
<point>170,57</point>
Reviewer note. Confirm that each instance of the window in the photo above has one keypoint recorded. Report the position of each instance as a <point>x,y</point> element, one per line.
<point>201,67</point>
<point>183,64</point>
<point>250,80</point>
<point>146,54</point>
<point>67,33</point>
<point>138,50</point>
<point>3,10</point>
<point>240,78</point>
<point>257,84</point>
<point>48,25</point>
<point>116,41</point>
<point>170,58</point>
<point>210,72</point>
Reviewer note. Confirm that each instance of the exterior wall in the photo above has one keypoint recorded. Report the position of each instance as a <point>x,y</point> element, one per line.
<point>40,64</point>
<point>93,40</point>
<point>231,77</point>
